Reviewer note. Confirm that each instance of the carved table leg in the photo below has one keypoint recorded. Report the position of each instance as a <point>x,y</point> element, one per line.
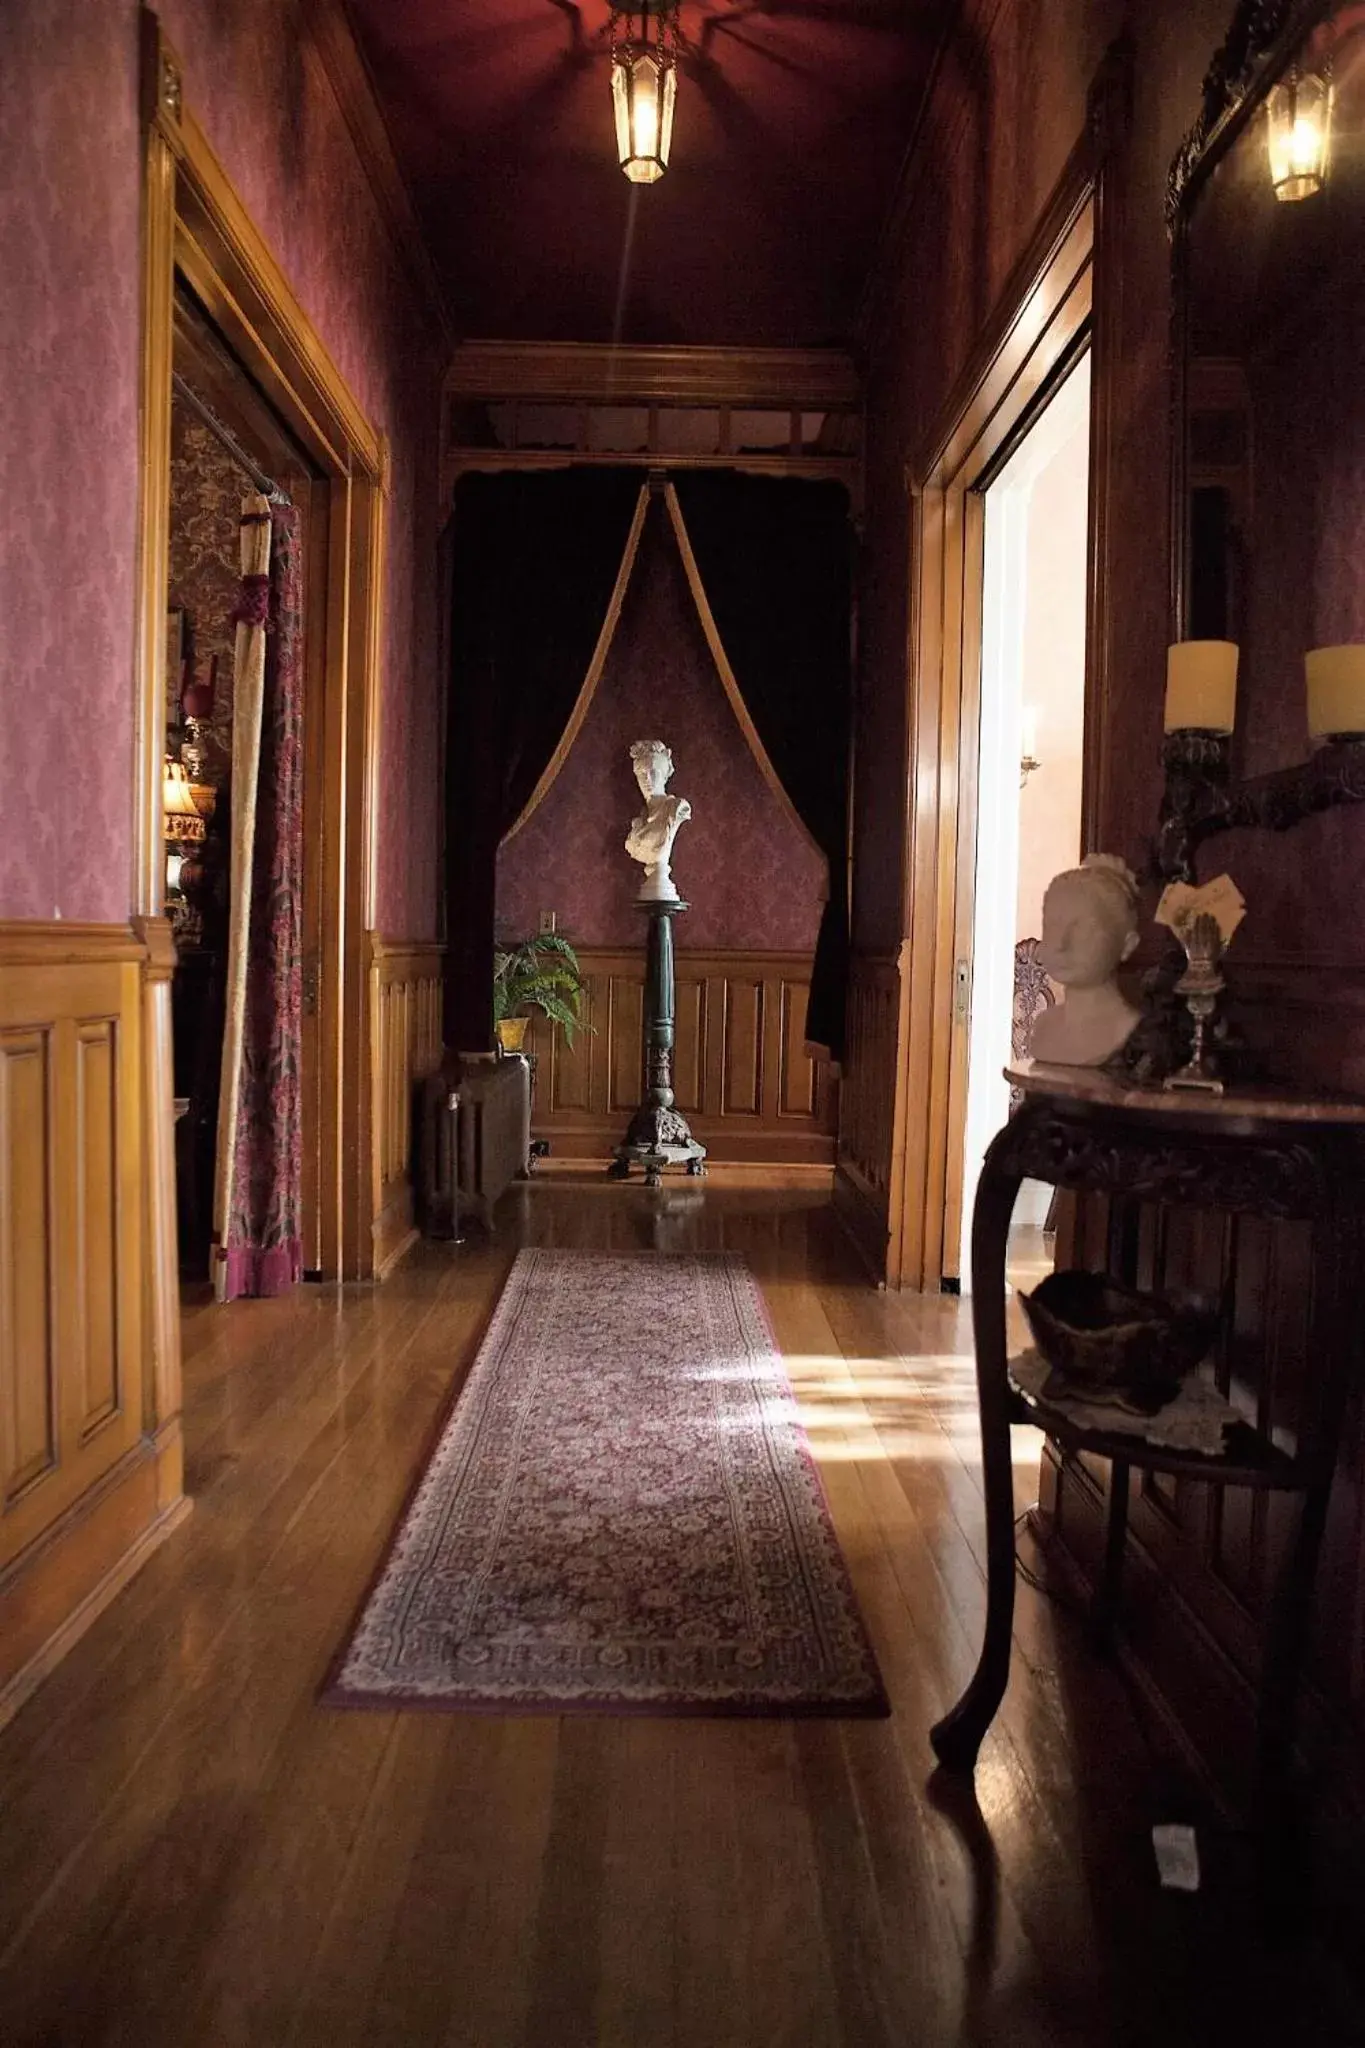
<point>957,1737</point>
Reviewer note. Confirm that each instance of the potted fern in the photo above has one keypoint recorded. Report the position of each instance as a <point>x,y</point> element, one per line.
<point>541,973</point>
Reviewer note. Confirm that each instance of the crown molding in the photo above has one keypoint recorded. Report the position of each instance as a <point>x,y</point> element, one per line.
<point>596,372</point>
<point>327,26</point>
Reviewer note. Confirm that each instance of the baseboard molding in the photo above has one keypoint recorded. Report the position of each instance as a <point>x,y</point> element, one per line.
<point>395,1229</point>
<point>726,1172</point>
<point>390,1255</point>
<point>69,1551</point>
<point>592,1141</point>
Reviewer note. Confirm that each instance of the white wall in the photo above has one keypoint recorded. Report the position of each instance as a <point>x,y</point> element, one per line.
<point>1032,656</point>
<point>1053,676</point>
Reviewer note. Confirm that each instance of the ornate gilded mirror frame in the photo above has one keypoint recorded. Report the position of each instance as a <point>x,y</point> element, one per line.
<point>1200,798</point>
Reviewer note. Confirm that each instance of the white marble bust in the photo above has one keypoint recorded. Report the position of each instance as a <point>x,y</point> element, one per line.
<point>652,834</point>
<point>1090,928</point>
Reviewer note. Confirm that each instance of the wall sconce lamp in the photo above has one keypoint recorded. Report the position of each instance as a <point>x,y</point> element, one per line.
<point>1200,799</point>
<point>1028,749</point>
<point>644,86</point>
<point>1028,744</point>
<point>1299,133</point>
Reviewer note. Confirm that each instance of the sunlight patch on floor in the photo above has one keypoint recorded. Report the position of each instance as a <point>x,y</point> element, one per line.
<point>858,1410</point>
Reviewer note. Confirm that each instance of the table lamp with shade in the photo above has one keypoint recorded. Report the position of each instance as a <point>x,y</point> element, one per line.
<point>182,822</point>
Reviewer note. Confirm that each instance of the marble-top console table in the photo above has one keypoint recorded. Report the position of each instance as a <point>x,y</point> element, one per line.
<point>1254,1151</point>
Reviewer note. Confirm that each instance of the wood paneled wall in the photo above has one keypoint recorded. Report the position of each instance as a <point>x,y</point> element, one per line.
<point>89,1427</point>
<point>405,1034</point>
<point>867,1107</point>
<point>741,1073</point>
<point>992,147</point>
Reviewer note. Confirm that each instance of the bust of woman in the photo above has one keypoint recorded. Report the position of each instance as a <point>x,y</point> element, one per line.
<point>1089,929</point>
<point>651,836</point>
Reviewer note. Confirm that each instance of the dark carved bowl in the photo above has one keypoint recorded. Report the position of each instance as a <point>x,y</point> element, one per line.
<point>1101,1337</point>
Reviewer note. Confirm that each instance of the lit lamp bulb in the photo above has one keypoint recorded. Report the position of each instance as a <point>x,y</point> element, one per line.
<point>182,825</point>
<point>1299,134</point>
<point>644,86</point>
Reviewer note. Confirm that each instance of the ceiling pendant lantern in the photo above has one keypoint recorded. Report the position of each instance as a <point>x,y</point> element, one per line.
<point>1299,129</point>
<point>644,85</point>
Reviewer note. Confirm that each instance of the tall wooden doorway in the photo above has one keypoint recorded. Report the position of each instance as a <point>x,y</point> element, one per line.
<point>1045,323</point>
<point>196,234</point>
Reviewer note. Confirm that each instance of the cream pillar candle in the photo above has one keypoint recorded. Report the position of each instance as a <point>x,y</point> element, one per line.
<point>1201,685</point>
<point>1336,689</point>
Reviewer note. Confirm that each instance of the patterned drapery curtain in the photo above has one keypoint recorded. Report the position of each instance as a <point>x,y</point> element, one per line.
<point>258,1245</point>
<point>770,560</point>
<point>539,565</point>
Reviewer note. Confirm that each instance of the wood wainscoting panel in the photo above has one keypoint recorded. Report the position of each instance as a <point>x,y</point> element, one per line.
<point>689,1087</point>
<point>741,1072</point>
<point>867,1110</point>
<point>28,1421</point>
<point>79,1421</point>
<point>742,1091</point>
<point>1203,1561</point>
<point>71,1271</point>
<point>579,1067</point>
<point>798,1075</point>
<point>99,1153</point>
<point>624,1047</point>
<point>405,1031</point>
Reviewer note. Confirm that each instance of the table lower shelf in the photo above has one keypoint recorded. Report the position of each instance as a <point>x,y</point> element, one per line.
<point>1247,1459</point>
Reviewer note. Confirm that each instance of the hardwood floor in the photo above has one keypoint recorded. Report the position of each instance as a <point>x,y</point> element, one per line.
<point>193,1852</point>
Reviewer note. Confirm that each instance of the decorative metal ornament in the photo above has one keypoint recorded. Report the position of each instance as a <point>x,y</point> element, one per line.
<point>644,86</point>
<point>1201,985</point>
<point>1259,30</point>
<point>1298,114</point>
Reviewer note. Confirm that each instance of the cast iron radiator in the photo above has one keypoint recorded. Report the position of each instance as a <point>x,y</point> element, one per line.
<point>476,1139</point>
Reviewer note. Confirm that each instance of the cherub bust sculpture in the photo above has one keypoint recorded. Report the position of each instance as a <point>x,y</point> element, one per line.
<point>1089,929</point>
<point>653,832</point>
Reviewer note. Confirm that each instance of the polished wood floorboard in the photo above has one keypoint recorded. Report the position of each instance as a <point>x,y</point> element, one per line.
<point>193,1852</point>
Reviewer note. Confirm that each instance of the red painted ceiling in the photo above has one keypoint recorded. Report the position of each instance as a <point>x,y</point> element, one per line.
<point>793,117</point>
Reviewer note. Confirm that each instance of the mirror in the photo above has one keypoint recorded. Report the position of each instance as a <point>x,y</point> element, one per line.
<point>1267,205</point>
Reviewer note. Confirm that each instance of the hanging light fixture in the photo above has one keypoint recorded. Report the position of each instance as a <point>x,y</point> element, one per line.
<point>644,85</point>
<point>1299,133</point>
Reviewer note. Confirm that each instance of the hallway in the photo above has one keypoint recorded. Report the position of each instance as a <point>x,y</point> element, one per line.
<point>193,1852</point>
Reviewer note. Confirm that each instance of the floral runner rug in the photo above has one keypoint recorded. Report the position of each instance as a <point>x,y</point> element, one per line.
<point>621,1516</point>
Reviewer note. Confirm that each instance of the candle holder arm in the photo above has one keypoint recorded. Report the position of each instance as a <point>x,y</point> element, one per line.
<point>1200,800</point>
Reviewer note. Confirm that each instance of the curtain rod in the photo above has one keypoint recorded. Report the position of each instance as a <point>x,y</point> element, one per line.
<point>229,440</point>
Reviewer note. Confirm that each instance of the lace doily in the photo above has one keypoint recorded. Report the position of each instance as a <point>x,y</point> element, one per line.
<point>1196,1420</point>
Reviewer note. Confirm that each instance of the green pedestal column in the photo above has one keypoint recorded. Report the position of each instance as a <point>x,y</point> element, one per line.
<point>658,1134</point>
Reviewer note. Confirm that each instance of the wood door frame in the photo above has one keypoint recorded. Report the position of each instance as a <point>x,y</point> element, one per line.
<point>194,225</point>
<point>1049,311</point>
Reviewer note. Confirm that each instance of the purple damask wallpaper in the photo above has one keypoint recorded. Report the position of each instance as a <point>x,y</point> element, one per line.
<point>68,452</point>
<point>752,878</point>
<point>68,418</point>
<point>207,488</point>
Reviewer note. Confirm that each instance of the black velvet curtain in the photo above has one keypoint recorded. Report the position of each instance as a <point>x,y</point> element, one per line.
<point>776,562</point>
<point>534,559</point>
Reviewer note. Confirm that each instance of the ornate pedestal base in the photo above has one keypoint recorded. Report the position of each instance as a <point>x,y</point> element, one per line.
<point>658,1134</point>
